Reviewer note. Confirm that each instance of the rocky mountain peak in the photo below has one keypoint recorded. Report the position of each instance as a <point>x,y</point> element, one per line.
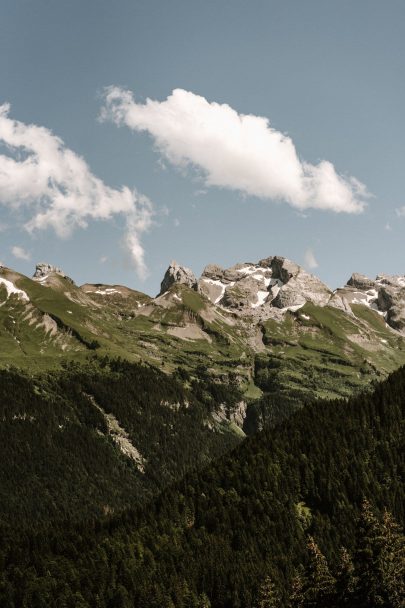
<point>177,274</point>
<point>262,288</point>
<point>385,294</point>
<point>43,270</point>
<point>360,281</point>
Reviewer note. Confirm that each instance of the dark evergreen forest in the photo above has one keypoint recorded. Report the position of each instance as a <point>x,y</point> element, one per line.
<point>305,513</point>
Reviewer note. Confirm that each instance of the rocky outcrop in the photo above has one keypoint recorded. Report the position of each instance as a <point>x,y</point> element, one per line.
<point>264,288</point>
<point>385,294</point>
<point>43,270</point>
<point>274,285</point>
<point>177,274</point>
<point>289,296</point>
<point>360,281</point>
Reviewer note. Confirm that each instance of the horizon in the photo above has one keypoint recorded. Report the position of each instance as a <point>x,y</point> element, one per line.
<point>197,274</point>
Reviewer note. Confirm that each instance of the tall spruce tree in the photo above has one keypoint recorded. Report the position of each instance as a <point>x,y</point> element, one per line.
<point>269,596</point>
<point>319,584</point>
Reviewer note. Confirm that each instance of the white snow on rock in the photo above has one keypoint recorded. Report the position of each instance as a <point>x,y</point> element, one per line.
<point>293,308</point>
<point>247,270</point>
<point>13,290</point>
<point>106,292</point>
<point>219,284</point>
<point>261,298</point>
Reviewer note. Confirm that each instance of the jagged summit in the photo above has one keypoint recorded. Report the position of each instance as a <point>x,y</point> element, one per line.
<point>177,274</point>
<point>274,285</point>
<point>230,319</point>
<point>385,294</point>
<point>266,287</point>
<point>43,270</point>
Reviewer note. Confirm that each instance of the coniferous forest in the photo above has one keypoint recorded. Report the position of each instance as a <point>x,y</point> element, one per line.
<point>307,512</point>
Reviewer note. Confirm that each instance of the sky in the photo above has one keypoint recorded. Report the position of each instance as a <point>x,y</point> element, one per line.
<point>136,132</point>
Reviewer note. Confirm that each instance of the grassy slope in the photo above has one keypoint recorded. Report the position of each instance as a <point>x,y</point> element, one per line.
<point>320,351</point>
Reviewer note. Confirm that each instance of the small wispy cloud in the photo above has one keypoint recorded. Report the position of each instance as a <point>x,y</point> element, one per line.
<point>103,259</point>
<point>20,253</point>
<point>400,211</point>
<point>54,186</point>
<point>236,151</point>
<point>310,259</point>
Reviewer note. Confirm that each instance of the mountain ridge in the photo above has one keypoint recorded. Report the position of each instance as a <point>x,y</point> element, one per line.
<point>270,325</point>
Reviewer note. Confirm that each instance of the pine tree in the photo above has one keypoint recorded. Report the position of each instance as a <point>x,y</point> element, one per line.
<point>297,591</point>
<point>369,590</point>
<point>203,601</point>
<point>392,561</point>
<point>319,584</point>
<point>345,579</point>
<point>269,596</point>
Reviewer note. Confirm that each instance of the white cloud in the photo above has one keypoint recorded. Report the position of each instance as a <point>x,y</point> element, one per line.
<point>400,211</point>
<point>20,253</point>
<point>55,186</point>
<point>236,151</point>
<point>103,259</point>
<point>310,259</point>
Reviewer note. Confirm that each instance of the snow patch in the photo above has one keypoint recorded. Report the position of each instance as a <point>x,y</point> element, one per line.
<point>247,270</point>
<point>218,283</point>
<point>13,290</point>
<point>293,308</point>
<point>261,298</point>
<point>106,292</point>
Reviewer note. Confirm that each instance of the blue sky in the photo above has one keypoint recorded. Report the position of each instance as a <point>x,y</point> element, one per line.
<point>327,74</point>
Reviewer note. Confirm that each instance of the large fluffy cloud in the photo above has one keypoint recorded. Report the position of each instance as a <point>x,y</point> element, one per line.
<point>237,151</point>
<point>56,188</point>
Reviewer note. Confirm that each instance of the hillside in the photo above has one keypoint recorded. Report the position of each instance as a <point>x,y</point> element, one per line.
<point>98,438</point>
<point>214,538</point>
<point>271,325</point>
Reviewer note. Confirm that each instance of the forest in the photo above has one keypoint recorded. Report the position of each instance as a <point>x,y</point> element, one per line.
<point>307,512</point>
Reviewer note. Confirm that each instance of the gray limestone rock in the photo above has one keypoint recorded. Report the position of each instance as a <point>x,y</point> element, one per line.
<point>340,302</point>
<point>289,295</point>
<point>43,269</point>
<point>214,272</point>
<point>360,281</point>
<point>178,274</point>
<point>243,295</point>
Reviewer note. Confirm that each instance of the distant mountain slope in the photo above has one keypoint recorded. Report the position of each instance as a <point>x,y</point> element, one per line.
<point>101,437</point>
<point>270,326</point>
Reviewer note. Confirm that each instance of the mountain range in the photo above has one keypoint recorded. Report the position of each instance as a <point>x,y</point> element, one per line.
<point>236,322</point>
<point>177,450</point>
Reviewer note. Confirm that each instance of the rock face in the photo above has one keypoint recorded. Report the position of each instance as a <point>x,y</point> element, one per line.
<point>385,294</point>
<point>177,274</point>
<point>42,271</point>
<point>274,285</point>
<point>264,288</point>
